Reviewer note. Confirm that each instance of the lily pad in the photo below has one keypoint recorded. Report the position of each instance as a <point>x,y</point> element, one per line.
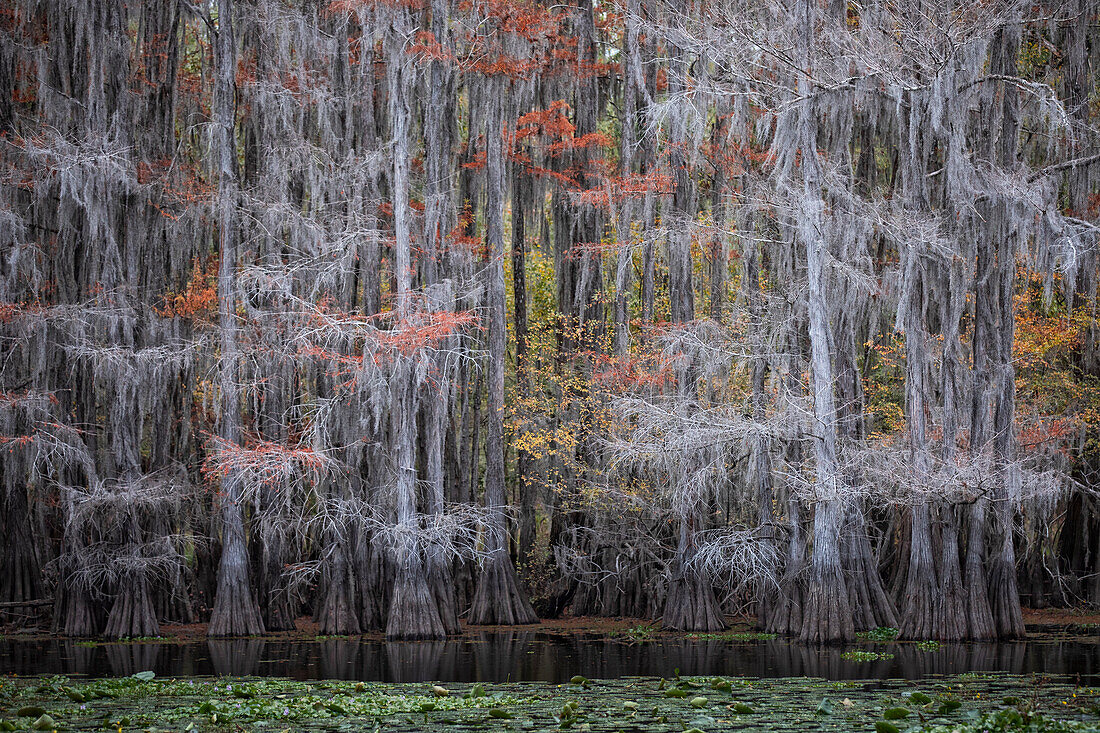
<point>45,722</point>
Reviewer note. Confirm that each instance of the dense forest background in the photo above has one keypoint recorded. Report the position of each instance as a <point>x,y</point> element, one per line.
<point>401,312</point>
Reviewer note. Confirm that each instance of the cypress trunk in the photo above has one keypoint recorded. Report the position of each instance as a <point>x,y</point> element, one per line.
<point>499,599</point>
<point>235,611</point>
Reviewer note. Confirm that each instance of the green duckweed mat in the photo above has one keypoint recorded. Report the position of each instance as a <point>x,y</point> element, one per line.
<point>964,703</point>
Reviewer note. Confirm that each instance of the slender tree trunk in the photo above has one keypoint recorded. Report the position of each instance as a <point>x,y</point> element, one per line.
<point>827,616</point>
<point>649,166</point>
<point>438,563</point>
<point>979,613</point>
<point>525,463</point>
<point>870,604</point>
<point>1004,596</point>
<point>499,599</point>
<point>691,604</point>
<point>624,263</point>
<point>918,615</point>
<point>438,390</point>
<point>413,613</point>
<point>784,604</point>
<point>717,255</point>
<point>235,611</point>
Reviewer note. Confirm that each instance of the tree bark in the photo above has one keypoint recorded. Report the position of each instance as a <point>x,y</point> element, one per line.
<point>499,599</point>
<point>690,604</point>
<point>918,616</point>
<point>1004,595</point>
<point>525,462</point>
<point>235,611</point>
<point>413,613</point>
<point>437,391</point>
<point>337,614</point>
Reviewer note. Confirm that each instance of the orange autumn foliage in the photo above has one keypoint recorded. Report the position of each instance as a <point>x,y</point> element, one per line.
<point>199,299</point>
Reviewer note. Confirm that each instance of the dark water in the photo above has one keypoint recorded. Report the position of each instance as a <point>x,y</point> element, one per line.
<point>531,654</point>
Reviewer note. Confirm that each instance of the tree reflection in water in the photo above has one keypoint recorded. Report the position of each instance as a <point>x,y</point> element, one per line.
<point>528,654</point>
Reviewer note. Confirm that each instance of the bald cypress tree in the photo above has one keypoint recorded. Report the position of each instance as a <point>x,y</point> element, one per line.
<point>235,612</point>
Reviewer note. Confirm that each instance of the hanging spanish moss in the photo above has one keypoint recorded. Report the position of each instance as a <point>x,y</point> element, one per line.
<point>411,315</point>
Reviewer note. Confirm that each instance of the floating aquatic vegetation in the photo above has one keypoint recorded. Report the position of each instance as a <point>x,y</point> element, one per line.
<point>735,636</point>
<point>703,704</point>
<point>880,634</point>
<point>859,655</point>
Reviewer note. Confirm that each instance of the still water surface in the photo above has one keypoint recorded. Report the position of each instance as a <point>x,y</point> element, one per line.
<point>530,655</point>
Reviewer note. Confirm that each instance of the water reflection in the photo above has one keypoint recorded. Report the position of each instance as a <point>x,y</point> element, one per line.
<point>530,654</point>
<point>237,657</point>
<point>127,659</point>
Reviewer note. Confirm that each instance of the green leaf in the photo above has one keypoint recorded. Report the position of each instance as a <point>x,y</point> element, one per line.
<point>895,713</point>
<point>920,698</point>
<point>499,713</point>
<point>568,711</point>
<point>144,676</point>
<point>45,722</point>
<point>741,708</point>
<point>949,706</point>
<point>881,726</point>
<point>825,707</point>
<point>30,711</point>
<point>699,702</point>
